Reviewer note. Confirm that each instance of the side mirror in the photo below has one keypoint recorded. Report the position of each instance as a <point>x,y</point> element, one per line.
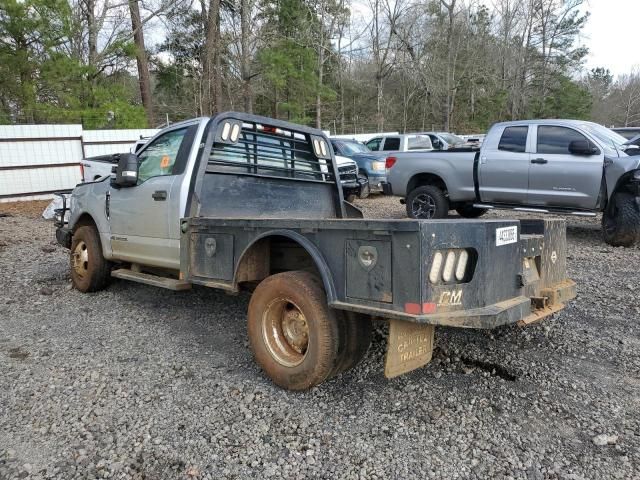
<point>126,173</point>
<point>582,147</point>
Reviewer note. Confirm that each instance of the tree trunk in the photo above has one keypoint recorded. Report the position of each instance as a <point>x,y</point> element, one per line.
<point>143,64</point>
<point>210,59</point>
<point>245,55</point>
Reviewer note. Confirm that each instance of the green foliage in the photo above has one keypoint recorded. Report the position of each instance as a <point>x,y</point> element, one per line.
<point>289,65</point>
<point>42,79</point>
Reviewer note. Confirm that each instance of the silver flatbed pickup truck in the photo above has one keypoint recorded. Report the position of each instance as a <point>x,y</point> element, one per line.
<point>241,202</point>
<point>543,166</point>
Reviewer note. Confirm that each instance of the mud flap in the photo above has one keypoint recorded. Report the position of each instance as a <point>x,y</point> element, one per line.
<point>410,346</point>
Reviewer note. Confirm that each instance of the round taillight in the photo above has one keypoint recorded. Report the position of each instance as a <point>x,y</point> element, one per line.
<point>390,162</point>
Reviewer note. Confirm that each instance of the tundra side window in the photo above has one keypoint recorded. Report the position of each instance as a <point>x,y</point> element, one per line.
<point>419,142</point>
<point>160,156</point>
<point>391,144</point>
<point>556,140</point>
<point>514,139</point>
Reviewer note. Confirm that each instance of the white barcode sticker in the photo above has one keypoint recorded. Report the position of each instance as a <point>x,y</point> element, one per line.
<point>506,235</point>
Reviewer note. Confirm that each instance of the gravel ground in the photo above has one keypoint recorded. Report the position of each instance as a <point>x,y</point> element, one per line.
<point>138,382</point>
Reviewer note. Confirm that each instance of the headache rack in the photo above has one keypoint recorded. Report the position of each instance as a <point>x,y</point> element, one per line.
<point>272,152</point>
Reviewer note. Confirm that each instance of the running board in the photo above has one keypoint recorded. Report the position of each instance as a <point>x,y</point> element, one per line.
<point>534,210</point>
<point>148,279</point>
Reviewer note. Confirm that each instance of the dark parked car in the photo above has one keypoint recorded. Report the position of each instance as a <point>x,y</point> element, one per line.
<point>371,165</point>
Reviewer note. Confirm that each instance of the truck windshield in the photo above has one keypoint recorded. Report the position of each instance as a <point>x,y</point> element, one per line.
<point>607,137</point>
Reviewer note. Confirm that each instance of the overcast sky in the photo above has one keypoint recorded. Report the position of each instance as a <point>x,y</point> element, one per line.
<point>612,35</point>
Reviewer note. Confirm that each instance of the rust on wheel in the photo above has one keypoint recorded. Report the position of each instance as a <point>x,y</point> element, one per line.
<point>285,332</point>
<point>80,259</point>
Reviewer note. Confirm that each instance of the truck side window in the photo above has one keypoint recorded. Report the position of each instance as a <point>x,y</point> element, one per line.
<point>514,139</point>
<point>435,141</point>
<point>419,142</point>
<point>374,144</point>
<point>552,139</point>
<point>391,144</point>
<point>159,157</point>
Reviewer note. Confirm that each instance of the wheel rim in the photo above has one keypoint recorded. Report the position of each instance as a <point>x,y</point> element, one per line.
<point>80,259</point>
<point>423,206</point>
<point>285,332</point>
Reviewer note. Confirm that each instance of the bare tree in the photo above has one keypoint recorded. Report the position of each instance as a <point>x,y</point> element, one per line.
<point>142,61</point>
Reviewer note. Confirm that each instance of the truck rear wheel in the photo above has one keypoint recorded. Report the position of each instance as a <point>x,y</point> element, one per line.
<point>427,202</point>
<point>90,271</point>
<point>356,340</point>
<point>621,221</point>
<point>294,335</point>
<point>469,211</point>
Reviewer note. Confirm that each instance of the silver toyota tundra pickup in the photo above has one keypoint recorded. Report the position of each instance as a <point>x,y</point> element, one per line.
<point>547,166</point>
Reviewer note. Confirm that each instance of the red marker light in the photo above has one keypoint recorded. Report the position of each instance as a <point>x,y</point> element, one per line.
<point>390,162</point>
<point>428,308</point>
<point>412,308</point>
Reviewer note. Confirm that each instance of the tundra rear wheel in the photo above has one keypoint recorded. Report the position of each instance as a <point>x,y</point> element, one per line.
<point>427,202</point>
<point>294,335</point>
<point>89,270</point>
<point>621,221</point>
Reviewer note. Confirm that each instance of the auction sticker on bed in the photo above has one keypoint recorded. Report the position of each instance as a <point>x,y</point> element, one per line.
<point>506,235</point>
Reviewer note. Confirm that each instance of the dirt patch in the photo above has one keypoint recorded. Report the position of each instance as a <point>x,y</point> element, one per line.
<point>29,209</point>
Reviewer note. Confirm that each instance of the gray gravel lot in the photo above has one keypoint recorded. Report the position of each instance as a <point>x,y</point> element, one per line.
<point>138,382</point>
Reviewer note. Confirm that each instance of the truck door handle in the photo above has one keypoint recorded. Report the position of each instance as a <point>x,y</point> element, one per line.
<point>159,195</point>
<point>539,160</point>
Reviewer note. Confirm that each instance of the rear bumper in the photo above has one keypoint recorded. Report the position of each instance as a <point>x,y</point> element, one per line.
<point>514,310</point>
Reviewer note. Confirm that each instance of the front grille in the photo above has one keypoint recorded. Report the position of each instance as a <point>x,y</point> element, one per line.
<point>348,173</point>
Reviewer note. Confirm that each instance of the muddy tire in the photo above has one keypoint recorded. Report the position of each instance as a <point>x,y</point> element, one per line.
<point>427,202</point>
<point>621,221</point>
<point>90,272</point>
<point>351,198</point>
<point>294,335</point>
<point>469,211</point>
<point>357,338</point>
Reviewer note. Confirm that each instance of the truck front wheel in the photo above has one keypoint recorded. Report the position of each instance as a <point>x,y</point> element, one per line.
<point>427,202</point>
<point>90,271</point>
<point>621,221</point>
<point>294,335</point>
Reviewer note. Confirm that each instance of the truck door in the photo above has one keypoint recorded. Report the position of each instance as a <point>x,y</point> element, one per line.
<point>559,178</point>
<point>139,216</point>
<point>504,167</point>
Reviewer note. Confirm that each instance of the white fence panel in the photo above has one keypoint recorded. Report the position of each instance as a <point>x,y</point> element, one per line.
<point>106,142</point>
<point>38,159</point>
